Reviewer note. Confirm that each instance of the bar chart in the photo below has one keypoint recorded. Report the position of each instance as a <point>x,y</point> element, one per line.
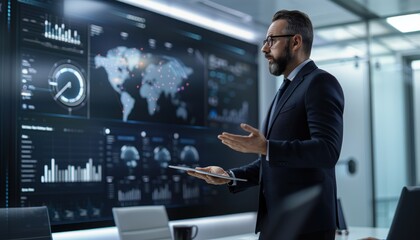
<point>161,193</point>
<point>189,192</point>
<point>130,195</point>
<point>61,33</point>
<point>88,173</point>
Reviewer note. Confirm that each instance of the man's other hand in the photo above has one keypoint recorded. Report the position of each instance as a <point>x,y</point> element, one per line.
<point>255,142</point>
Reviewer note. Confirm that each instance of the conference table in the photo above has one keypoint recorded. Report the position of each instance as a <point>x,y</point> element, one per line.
<point>354,233</point>
<point>111,233</point>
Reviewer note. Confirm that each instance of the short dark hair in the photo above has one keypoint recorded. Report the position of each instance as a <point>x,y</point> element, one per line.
<point>297,23</point>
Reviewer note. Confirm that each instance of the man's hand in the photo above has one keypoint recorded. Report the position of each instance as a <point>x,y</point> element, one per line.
<point>210,179</point>
<point>255,142</point>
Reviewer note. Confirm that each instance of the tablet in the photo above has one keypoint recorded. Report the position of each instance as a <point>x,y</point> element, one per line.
<point>206,173</point>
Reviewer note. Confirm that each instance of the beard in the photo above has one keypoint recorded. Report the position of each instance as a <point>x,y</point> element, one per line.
<point>278,66</point>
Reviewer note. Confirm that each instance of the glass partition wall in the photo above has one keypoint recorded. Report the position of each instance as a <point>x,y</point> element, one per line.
<point>415,65</point>
<point>375,64</point>
<point>392,115</point>
<point>342,51</point>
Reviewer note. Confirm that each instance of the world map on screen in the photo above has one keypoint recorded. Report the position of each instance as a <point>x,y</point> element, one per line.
<point>166,76</point>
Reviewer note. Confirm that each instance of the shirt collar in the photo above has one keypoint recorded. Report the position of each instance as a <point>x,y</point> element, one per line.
<point>295,71</point>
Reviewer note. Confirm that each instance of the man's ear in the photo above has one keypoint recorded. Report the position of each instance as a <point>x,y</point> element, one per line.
<point>296,42</point>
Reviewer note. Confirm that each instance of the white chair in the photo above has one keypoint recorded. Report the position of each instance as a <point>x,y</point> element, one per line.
<point>142,223</point>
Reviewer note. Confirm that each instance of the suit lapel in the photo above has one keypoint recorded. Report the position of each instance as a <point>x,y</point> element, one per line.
<point>267,117</point>
<point>308,68</point>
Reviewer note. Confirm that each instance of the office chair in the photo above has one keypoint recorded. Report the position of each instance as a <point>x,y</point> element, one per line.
<point>405,221</point>
<point>25,223</point>
<point>142,222</point>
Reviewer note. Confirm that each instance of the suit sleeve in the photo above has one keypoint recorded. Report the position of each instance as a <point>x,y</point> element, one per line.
<point>324,106</point>
<point>251,172</point>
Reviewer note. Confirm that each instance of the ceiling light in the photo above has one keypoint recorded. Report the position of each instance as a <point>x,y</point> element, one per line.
<point>415,65</point>
<point>405,23</point>
<point>198,19</point>
<point>215,6</point>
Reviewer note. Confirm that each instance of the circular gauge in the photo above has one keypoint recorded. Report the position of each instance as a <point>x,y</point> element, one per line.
<point>130,155</point>
<point>68,84</point>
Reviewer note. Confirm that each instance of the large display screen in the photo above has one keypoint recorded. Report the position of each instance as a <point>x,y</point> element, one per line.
<point>107,95</point>
<point>3,139</point>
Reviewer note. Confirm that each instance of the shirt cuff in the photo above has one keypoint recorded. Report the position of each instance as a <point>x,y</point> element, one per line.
<point>267,157</point>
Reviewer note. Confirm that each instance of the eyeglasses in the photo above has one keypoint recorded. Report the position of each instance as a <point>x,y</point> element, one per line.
<point>270,39</point>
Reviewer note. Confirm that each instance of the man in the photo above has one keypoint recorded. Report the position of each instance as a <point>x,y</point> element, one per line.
<point>302,134</point>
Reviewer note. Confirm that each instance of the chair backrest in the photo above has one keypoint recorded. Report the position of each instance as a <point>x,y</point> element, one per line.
<point>25,223</point>
<point>142,222</point>
<point>405,222</point>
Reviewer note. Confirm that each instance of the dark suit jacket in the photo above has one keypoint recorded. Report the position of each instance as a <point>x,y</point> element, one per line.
<point>305,139</point>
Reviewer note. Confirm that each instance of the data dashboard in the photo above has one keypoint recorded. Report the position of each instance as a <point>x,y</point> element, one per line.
<point>105,95</point>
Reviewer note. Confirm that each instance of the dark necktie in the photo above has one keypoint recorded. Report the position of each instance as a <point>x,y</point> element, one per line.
<point>280,92</point>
